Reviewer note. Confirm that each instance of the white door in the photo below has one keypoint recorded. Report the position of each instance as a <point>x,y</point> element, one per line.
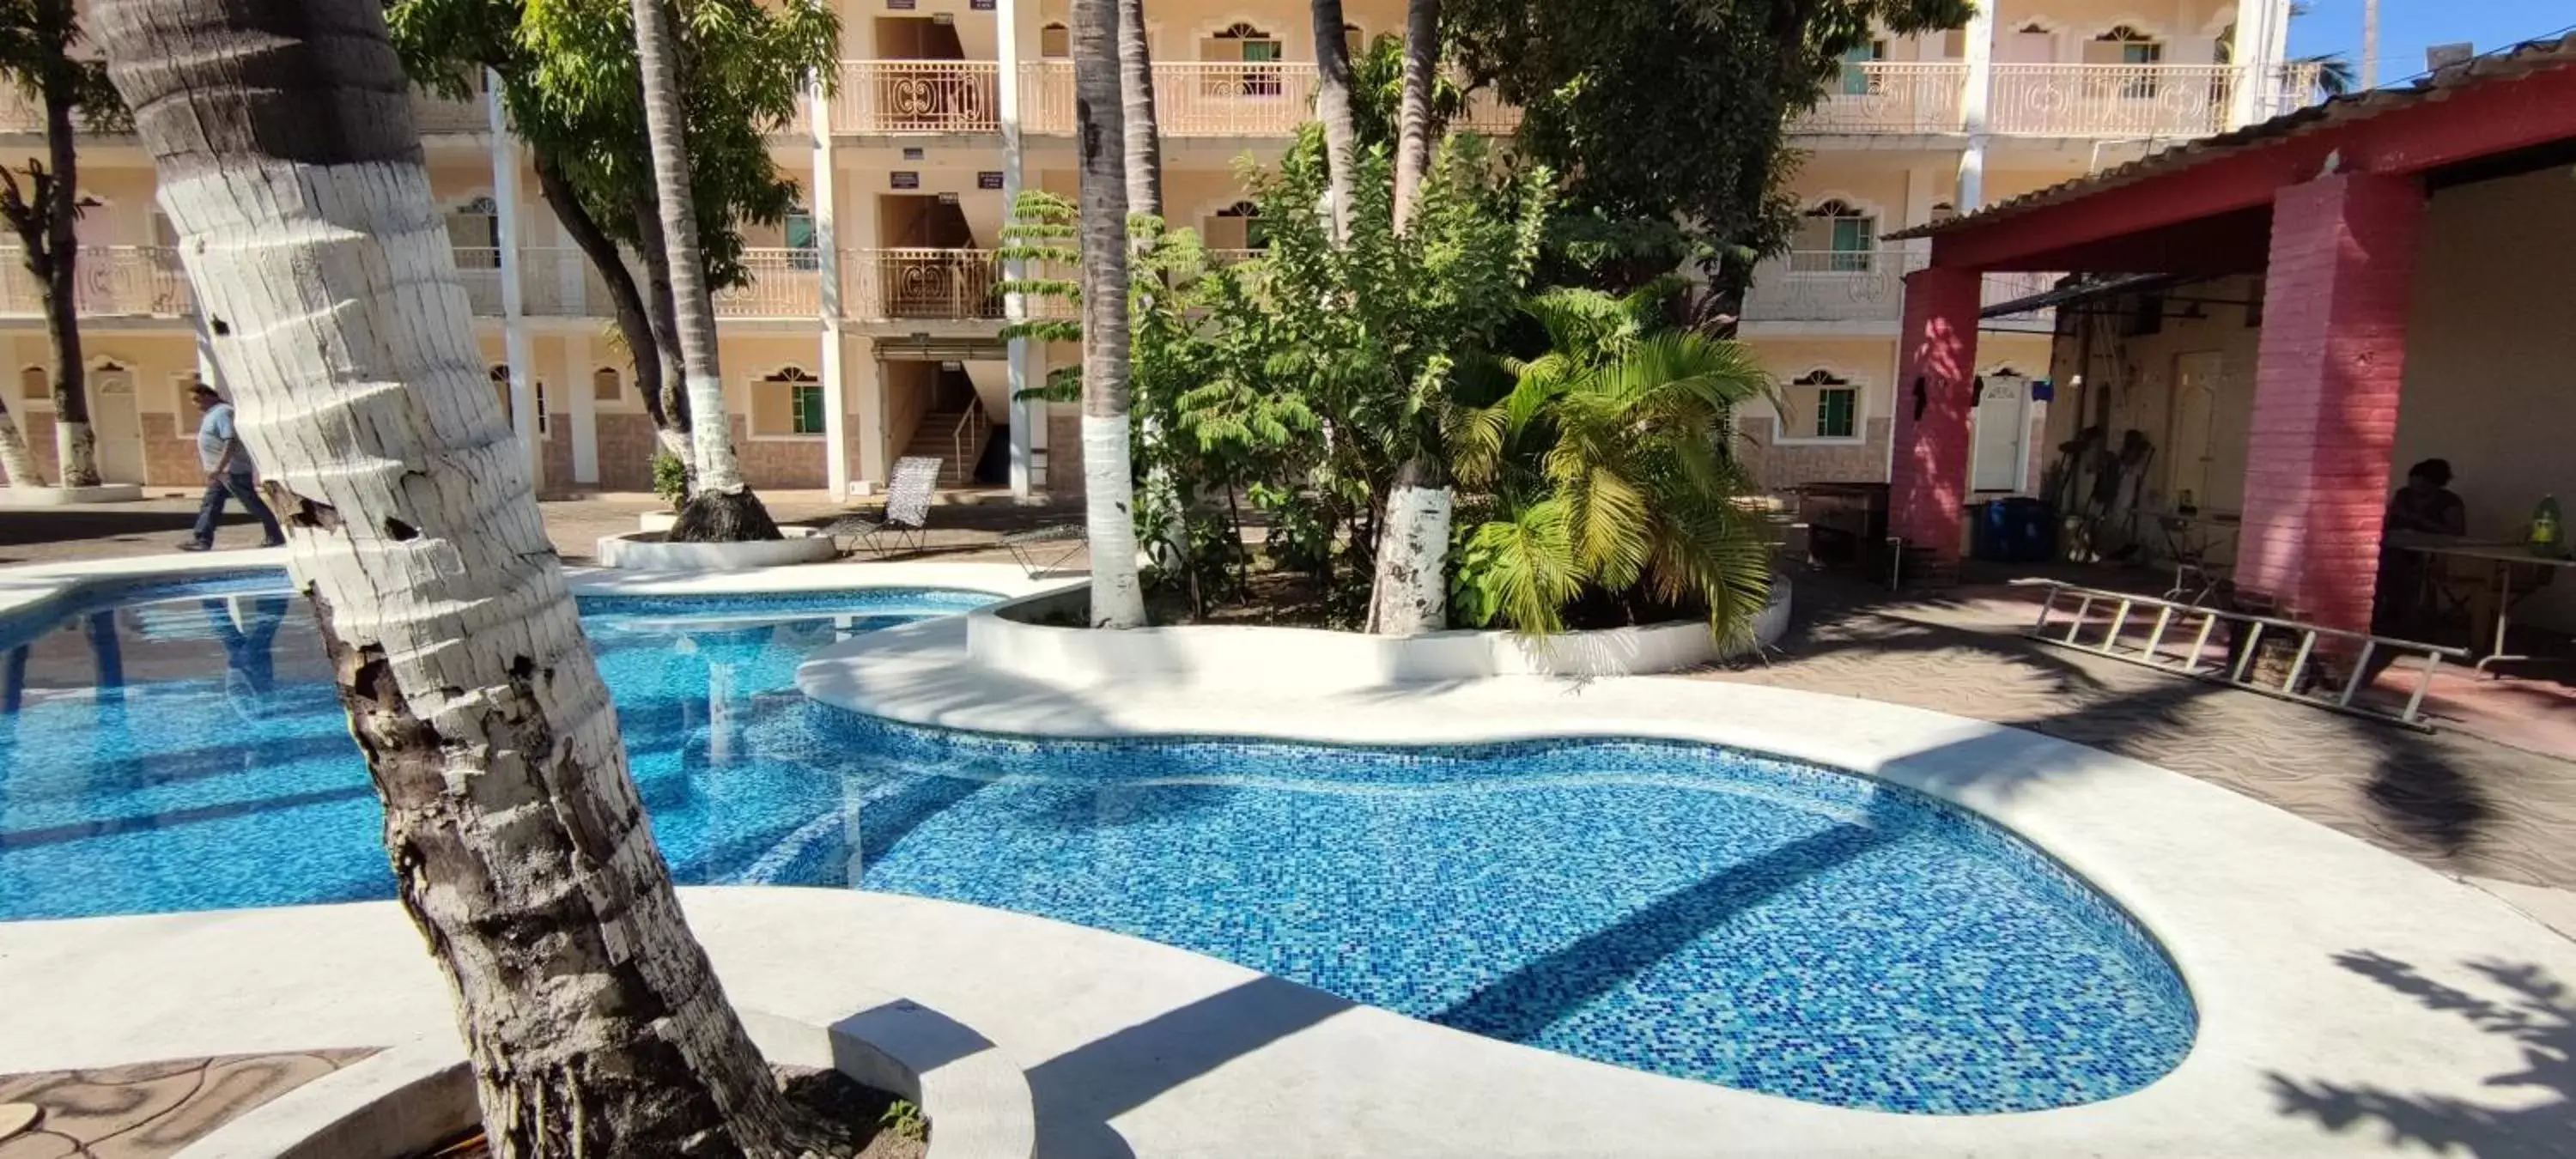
<point>2002,421</point>
<point>117,424</point>
<point>2192,419</point>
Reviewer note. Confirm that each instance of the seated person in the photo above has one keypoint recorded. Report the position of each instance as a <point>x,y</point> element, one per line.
<point>2426,505</point>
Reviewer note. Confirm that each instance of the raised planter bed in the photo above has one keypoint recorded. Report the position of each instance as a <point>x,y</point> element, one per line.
<point>646,551</point>
<point>1018,637</point>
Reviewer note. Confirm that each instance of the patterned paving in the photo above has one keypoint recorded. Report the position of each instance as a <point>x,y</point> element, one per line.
<point>2449,800</point>
<point>149,1110</point>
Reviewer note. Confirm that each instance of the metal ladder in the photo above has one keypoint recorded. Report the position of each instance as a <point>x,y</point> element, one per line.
<point>2234,666</point>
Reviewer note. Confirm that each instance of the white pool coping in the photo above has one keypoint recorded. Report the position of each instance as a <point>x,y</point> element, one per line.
<point>1131,1048</point>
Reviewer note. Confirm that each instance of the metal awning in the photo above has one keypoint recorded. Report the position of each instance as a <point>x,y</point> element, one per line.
<point>2083,288</point>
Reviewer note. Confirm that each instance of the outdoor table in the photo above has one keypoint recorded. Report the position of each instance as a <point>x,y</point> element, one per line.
<point>2190,541</point>
<point>2500,559</point>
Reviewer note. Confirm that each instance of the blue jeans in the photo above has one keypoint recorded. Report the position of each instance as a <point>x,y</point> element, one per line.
<point>236,485</point>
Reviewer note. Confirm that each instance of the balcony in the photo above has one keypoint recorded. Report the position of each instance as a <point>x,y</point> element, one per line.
<point>1831,286</point>
<point>1890,98</point>
<point>2133,100</point>
<point>900,284</point>
<point>1190,100</point>
<point>918,96</point>
<point>1843,288</point>
<point>108,282</point>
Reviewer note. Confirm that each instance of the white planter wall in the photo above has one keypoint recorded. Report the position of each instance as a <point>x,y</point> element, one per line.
<point>645,551</point>
<point>1313,659</point>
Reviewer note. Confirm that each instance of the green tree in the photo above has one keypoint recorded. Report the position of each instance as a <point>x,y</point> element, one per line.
<point>1660,111</point>
<point>570,85</point>
<point>36,41</point>
<point>1604,472</point>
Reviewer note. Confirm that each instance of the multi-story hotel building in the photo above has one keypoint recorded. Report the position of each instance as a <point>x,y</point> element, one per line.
<point>872,329</point>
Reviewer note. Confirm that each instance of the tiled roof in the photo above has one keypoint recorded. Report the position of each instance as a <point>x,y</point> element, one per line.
<point>2506,64</point>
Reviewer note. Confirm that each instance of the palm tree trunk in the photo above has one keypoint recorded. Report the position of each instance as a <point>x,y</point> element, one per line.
<point>1136,101</point>
<point>1333,108</point>
<point>656,258</point>
<point>291,169</point>
<point>14,460</point>
<point>1409,594</point>
<point>1109,491</point>
<point>722,508</point>
<point>1413,115</point>
<point>75,446</point>
<point>634,322</point>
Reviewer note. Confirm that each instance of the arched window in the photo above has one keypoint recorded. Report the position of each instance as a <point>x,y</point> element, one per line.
<point>1831,400</point>
<point>1244,44</point>
<point>35,383</point>
<point>474,231</point>
<point>1353,42</point>
<point>1837,237</point>
<point>1943,211</point>
<point>788,402</point>
<point>2127,46</point>
<point>1236,227</point>
<point>606,385</point>
<point>1055,41</point>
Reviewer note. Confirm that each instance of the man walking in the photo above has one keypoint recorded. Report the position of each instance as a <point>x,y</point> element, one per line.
<point>227,465</point>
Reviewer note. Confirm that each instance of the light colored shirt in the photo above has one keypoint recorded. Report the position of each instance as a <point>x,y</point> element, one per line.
<point>215,435</point>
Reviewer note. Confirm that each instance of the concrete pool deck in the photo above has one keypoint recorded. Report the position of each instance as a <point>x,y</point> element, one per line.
<point>2352,1003</point>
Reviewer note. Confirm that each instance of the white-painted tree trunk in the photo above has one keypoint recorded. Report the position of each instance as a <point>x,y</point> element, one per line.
<point>1117,594</point>
<point>291,171</point>
<point>76,448</point>
<point>1410,594</point>
<point>14,460</point>
<point>1108,480</point>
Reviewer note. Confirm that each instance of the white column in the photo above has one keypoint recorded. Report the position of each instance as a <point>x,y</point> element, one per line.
<point>1015,307</point>
<point>1974,106</point>
<point>2262,36</point>
<point>824,203</point>
<point>514,326</point>
<point>582,410</point>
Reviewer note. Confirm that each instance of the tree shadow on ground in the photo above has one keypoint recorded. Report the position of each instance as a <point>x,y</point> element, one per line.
<point>2438,798</point>
<point>2525,1005</point>
<point>1077,1093</point>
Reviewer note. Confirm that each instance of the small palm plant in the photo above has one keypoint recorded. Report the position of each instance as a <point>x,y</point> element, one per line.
<point>1604,470</point>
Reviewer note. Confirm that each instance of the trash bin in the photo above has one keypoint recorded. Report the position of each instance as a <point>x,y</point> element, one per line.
<point>2016,530</point>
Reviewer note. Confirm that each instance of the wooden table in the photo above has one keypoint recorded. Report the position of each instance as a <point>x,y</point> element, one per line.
<point>2500,559</point>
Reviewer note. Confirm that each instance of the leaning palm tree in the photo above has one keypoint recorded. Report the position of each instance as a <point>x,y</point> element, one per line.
<point>1413,116</point>
<point>16,467</point>
<point>291,169</point>
<point>721,507</point>
<point>1333,108</point>
<point>1605,469</point>
<point>1109,493</point>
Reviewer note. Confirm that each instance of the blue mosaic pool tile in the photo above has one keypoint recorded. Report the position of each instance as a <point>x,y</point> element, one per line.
<point>1716,915</point>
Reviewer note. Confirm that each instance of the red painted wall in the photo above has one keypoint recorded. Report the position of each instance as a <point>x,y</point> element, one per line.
<point>1930,480</point>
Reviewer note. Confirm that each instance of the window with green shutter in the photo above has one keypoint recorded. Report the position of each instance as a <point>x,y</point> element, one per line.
<point>1837,412</point>
<point>806,405</point>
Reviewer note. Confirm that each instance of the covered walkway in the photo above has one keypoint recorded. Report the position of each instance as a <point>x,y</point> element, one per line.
<point>2331,208</point>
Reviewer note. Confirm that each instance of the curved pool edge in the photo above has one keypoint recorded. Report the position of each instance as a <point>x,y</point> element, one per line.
<point>2252,904</point>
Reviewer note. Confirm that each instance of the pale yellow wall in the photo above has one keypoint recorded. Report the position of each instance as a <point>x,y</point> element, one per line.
<point>2187,28</point>
<point>748,359</point>
<point>1175,28</point>
<point>2489,351</point>
<point>2138,376</point>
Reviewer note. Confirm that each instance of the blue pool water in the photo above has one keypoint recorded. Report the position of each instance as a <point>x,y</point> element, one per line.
<point>1697,912</point>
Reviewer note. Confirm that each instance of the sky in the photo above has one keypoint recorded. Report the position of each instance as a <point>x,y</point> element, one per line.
<point>2406,27</point>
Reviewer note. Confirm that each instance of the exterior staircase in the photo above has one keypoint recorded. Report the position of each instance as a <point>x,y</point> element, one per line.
<point>936,438</point>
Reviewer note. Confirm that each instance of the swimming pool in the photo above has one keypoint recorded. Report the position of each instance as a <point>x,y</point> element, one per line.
<point>1676,908</point>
